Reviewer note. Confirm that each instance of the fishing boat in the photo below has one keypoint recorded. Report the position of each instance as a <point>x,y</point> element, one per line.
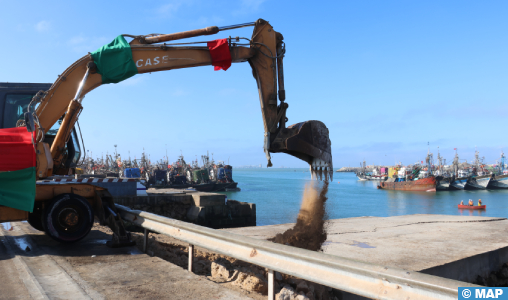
<point>424,185</point>
<point>443,179</point>
<point>362,173</point>
<point>376,177</point>
<point>500,181</point>
<point>443,183</point>
<point>472,206</point>
<point>477,182</point>
<point>219,175</point>
<point>361,177</point>
<point>481,177</point>
<point>376,174</point>
<point>416,178</point>
<point>224,178</point>
<point>459,183</point>
<point>459,179</point>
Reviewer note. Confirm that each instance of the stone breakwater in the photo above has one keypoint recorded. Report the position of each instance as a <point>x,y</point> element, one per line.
<point>354,170</point>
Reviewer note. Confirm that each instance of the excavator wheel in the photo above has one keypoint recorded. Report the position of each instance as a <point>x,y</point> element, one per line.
<point>68,218</point>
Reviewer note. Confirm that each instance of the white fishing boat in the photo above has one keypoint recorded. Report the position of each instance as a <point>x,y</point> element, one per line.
<point>500,181</point>
<point>481,178</point>
<point>478,182</point>
<point>460,182</point>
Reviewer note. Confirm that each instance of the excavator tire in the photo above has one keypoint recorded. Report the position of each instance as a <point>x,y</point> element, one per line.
<point>68,218</point>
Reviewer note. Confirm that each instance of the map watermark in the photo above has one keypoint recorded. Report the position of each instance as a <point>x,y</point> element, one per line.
<point>468,293</point>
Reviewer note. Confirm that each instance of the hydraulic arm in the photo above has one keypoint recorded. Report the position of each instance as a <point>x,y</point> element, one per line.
<point>264,51</point>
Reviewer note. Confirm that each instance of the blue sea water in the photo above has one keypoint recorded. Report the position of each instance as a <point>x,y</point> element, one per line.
<point>277,194</point>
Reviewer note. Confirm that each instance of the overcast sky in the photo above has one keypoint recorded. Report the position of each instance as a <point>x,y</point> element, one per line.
<point>386,77</point>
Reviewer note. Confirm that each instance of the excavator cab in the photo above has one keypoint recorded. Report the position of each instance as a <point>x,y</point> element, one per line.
<point>14,101</point>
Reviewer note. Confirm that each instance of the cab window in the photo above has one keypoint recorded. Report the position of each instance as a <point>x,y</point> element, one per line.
<point>15,107</point>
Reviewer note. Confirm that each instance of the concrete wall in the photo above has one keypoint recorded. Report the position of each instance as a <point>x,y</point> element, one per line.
<point>207,209</point>
<point>172,206</point>
<point>468,269</point>
<point>232,214</point>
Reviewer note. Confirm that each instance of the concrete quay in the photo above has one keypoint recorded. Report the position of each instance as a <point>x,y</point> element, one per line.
<point>33,266</point>
<point>455,247</point>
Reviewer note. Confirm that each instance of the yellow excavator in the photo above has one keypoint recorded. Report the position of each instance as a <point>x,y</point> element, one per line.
<point>65,211</point>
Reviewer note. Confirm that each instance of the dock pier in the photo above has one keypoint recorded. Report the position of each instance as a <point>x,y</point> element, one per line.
<point>427,249</point>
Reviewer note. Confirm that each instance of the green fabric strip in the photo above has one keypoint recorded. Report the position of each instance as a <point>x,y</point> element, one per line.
<point>114,61</point>
<point>17,189</point>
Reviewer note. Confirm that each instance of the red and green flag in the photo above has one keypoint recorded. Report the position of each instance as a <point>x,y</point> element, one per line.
<point>17,169</point>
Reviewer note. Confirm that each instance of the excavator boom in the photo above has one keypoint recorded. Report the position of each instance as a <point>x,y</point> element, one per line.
<point>264,51</point>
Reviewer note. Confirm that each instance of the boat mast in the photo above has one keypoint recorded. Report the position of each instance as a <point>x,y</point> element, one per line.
<point>502,161</point>
<point>477,162</point>
<point>167,158</point>
<point>440,160</point>
<point>429,159</point>
<point>456,163</point>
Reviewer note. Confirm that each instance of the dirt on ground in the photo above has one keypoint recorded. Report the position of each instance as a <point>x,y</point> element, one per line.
<point>309,231</point>
<point>177,253</point>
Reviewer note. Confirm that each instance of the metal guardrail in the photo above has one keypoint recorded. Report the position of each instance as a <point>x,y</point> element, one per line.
<point>360,278</point>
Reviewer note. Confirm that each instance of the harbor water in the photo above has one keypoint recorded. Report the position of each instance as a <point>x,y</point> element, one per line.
<point>277,194</point>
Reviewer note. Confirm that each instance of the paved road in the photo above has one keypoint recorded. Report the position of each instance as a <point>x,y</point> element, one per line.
<point>33,266</point>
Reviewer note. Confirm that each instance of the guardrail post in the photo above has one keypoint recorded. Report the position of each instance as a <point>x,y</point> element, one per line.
<point>145,240</point>
<point>191,256</point>
<point>271,285</point>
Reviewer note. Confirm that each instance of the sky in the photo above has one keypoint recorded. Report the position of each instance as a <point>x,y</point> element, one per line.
<point>390,79</point>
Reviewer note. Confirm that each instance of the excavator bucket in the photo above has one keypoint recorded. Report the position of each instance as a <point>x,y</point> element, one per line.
<point>309,141</point>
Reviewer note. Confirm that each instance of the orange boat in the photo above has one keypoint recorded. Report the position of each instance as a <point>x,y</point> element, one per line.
<point>472,206</point>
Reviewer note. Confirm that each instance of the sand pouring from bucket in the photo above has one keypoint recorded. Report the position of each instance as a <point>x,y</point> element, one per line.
<point>309,141</point>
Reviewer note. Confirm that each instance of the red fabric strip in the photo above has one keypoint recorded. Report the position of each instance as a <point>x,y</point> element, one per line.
<point>219,51</point>
<point>16,149</point>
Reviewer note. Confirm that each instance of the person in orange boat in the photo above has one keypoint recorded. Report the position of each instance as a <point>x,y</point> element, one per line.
<point>480,202</point>
<point>462,202</point>
<point>471,203</point>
